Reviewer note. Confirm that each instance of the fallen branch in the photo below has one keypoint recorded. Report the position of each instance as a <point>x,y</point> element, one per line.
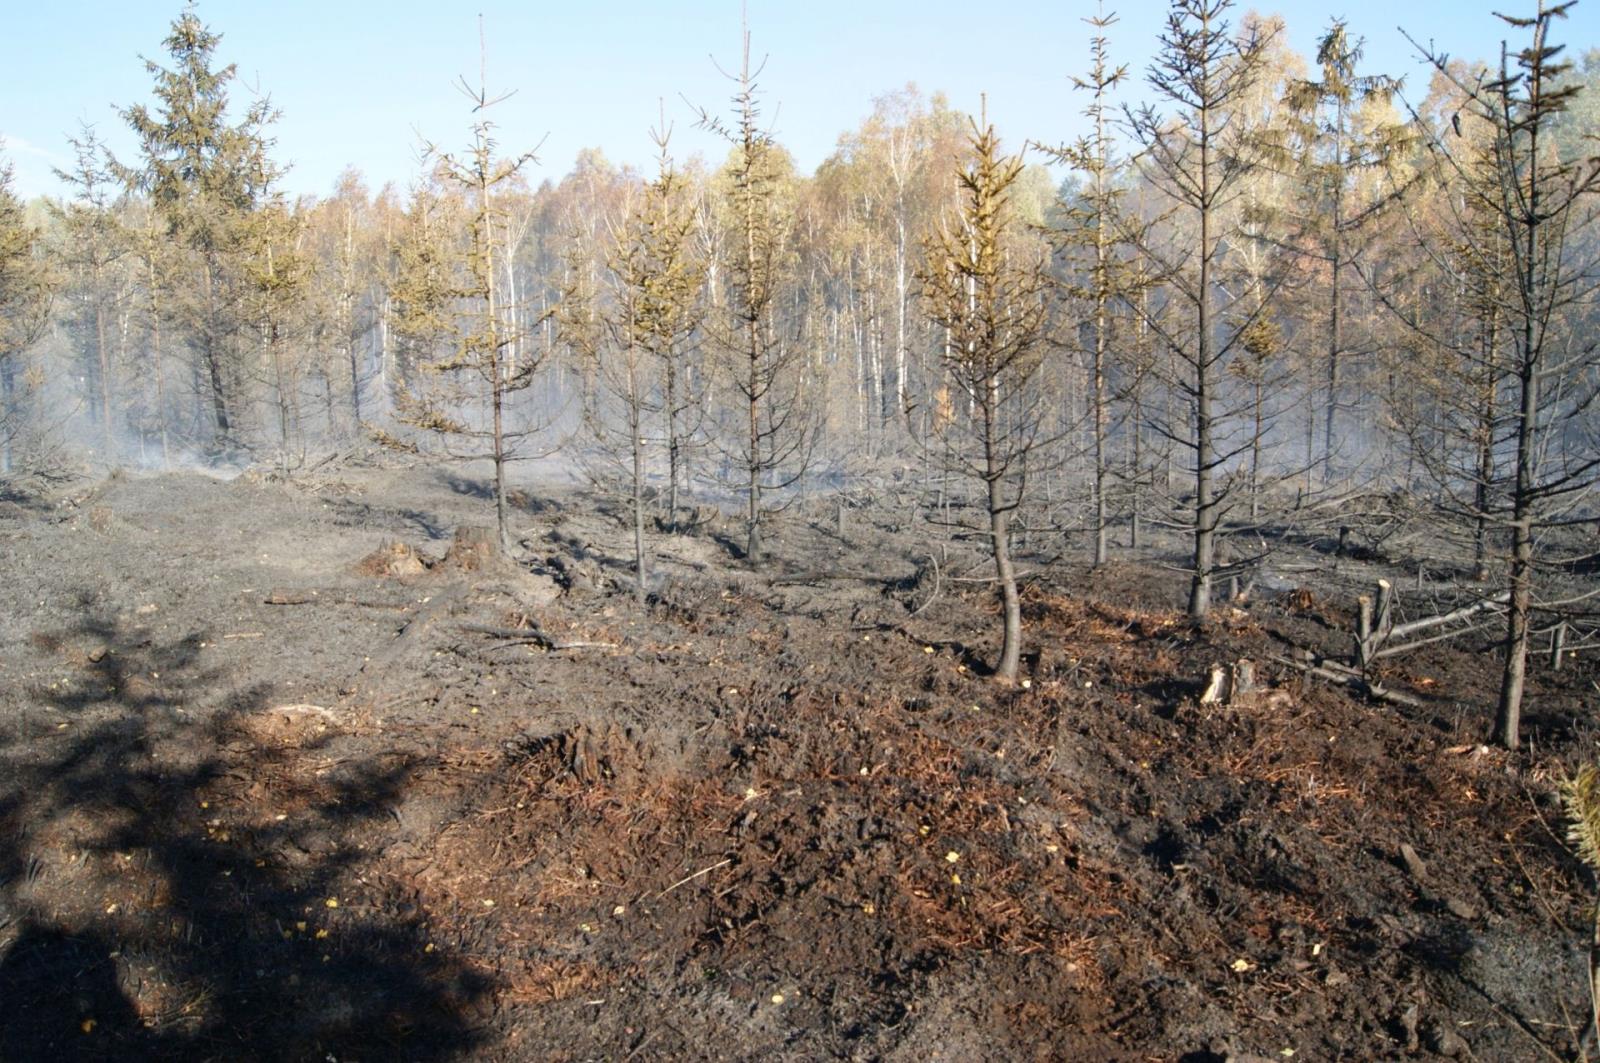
<point>1390,651</point>
<point>1352,680</point>
<point>534,637</point>
<point>412,633</point>
<point>818,577</point>
<point>1400,631</point>
<point>281,597</point>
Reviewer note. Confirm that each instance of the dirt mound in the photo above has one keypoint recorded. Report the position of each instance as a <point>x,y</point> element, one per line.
<point>393,559</point>
<point>285,725</point>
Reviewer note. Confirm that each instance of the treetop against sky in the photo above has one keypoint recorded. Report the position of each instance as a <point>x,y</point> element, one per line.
<point>363,84</point>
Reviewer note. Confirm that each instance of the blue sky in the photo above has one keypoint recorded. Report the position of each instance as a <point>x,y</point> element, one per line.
<point>361,83</point>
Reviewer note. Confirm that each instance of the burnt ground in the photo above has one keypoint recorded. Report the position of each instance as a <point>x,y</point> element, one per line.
<point>273,787</point>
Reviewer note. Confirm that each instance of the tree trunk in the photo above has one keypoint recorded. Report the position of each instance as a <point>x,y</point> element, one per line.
<point>501,510</point>
<point>1204,506</point>
<point>107,446</point>
<point>1336,244</point>
<point>1486,412</point>
<point>1005,573</point>
<point>670,406</point>
<point>8,397</point>
<point>1255,452</point>
<point>1508,720</point>
<point>1136,494</point>
<point>213,359</point>
<point>355,382</point>
<point>1098,384</point>
<point>639,560</point>
<point>752,551</point>
<point>161,372</point>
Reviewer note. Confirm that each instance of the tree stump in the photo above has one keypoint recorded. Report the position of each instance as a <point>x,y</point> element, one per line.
<point>475,548</point>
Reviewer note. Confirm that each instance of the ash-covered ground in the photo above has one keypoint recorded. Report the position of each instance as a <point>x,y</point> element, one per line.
<point>288,771</point>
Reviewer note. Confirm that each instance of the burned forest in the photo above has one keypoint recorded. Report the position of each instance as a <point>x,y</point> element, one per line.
<point>1126,589</point>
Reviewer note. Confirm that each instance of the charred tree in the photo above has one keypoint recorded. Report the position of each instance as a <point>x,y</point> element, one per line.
<point>1539,201</point>
<point>1197,157</point>
<point>991,303</point>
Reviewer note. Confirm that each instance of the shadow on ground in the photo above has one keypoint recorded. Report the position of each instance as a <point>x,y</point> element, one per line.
<point>179,887</point>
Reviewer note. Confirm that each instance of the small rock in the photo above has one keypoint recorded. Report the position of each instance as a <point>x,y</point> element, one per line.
<point>1413,862</point>
<point>1444,1041</point>
<point>97,654</point>
<point>1460,908</point>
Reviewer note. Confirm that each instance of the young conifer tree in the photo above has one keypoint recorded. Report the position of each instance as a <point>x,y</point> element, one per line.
<point>89,251</point>
<point>1093,222</point>
<point>635,343</point>
<point>1540,202</point>
<point>1197,157</point>
<point>991,301</point>
<point>476,368</point>
<point>766,367</point>
<point>1334,148</point>
<point>669,278</point>
<point>279,276</point>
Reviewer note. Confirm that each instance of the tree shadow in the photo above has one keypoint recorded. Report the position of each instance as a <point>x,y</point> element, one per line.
<point>179,884</point>
<point>354,514</point>
<point>467,487</point>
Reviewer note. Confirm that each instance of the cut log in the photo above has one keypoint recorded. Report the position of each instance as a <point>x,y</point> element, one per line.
<point>1244,678</point>
<point>1230,684</point>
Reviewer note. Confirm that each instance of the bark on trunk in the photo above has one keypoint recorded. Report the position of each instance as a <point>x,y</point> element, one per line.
<point>1005,573</point>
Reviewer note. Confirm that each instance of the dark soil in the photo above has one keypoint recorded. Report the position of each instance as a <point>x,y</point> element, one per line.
<point>284,777</point>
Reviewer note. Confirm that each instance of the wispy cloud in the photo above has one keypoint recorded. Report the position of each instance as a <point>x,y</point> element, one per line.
<point>16,145</point>
<point>33,167</point>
